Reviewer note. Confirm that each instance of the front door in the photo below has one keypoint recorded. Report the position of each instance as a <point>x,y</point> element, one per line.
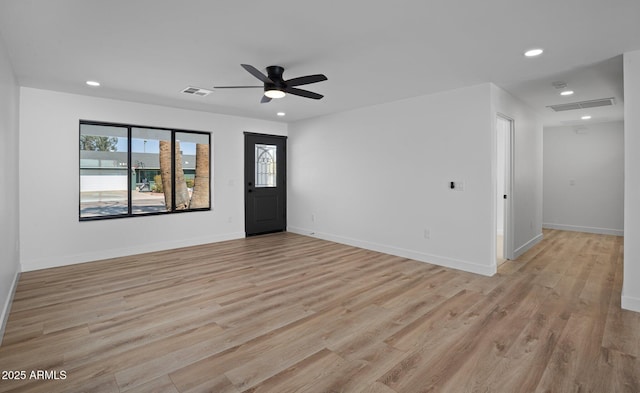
<point>265,165</point>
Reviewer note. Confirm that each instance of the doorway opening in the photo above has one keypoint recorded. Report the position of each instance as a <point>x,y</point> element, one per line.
<point>504,199</point>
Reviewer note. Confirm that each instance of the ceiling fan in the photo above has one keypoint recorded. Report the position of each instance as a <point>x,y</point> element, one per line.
<point>276,87</point>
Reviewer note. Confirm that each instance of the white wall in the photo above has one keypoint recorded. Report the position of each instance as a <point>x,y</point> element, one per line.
<point>631,284</point>
<point>378,177</point>
<point>527,169</point>
<point>9,200</point>
<point>584,178</point>
<point>50,232</point>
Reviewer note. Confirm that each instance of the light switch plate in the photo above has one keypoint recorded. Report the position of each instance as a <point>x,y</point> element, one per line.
<point>458,185</point>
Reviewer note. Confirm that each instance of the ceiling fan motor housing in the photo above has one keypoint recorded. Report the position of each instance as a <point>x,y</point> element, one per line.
<point>275,74</point>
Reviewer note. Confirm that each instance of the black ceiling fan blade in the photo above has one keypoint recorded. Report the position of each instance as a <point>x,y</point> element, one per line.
<point>254,71</point>
<point>265,99</point>
<point>303,93</point>
<point>237,87</point>
<point>305,80</point>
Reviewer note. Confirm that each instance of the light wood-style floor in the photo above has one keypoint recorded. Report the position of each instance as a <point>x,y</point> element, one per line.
<point>288,313</point>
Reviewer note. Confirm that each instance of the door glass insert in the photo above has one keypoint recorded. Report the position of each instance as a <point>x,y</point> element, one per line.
<point>265,165</point>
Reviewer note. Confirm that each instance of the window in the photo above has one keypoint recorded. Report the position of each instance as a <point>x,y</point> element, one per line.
<point>131,171</point>
<point>104,163</point>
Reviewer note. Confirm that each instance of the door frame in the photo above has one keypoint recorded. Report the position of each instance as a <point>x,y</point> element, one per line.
<point>508,248</point>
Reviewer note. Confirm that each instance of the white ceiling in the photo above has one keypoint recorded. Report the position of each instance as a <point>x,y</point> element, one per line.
<point>371,51</point>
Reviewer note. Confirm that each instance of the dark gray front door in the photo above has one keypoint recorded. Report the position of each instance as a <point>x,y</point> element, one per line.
<point>265,203</point>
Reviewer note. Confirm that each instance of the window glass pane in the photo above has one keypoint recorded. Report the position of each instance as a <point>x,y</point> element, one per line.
<point>103,170</point>
<point>149,191</point>
<point>192,171</point>
<point>265,165</point>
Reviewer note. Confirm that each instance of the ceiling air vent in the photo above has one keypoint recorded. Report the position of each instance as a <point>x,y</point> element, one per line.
<point>583,104</point>
<point>559,85</point>
<point>196,91</point>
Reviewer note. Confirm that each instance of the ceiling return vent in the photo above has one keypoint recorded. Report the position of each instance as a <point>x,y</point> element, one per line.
<point>196,91</point>
<point>583,104</point>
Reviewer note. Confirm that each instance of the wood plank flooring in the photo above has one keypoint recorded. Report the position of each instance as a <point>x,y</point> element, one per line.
<point>289,313</point>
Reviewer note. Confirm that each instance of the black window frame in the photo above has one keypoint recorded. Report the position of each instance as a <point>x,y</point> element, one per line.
<point>130,213</point>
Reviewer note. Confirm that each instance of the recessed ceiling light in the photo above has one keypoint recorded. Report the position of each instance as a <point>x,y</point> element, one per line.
<point>566,93</point>
<point>587,117</point>
<point>280,114</point>
<point>93,83</point>
<point>533,52</point>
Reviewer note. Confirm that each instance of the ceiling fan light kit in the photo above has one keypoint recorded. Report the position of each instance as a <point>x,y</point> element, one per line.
<point>275,86</point>
<point>274,93</point>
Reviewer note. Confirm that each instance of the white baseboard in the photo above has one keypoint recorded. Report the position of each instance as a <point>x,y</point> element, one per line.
<point>6,309</point>
<point>467,266</point>
<point>575,228</point>
<point>63,260</point>
<point>630,303</point>
<point>527,246</point>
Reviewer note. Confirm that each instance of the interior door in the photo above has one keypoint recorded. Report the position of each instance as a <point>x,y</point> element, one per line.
<point>265,203</point>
